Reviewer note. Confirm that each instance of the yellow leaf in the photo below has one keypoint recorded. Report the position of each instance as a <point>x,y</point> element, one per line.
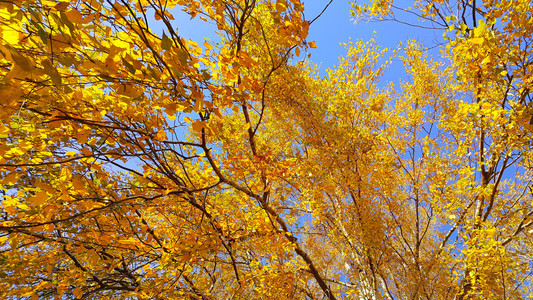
<point>10,35</point>
<point>23,206</point>
<point>312,44</point>
<point>477,41</point>
<point>129,241</point>
<point>198,104</point>
<point>161,135</point>
<point>110,141</point>
<point>65,174</point>
<point>207,45</point>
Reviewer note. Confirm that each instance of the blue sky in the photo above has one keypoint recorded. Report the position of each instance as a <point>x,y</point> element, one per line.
<point>334,27</point>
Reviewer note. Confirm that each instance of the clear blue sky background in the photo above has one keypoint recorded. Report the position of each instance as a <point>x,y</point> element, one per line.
<point>334,27</point>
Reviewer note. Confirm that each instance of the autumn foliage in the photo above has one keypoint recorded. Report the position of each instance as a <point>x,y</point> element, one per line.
<point>136,163</point>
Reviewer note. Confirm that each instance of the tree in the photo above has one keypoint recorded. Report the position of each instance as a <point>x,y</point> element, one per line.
<point>143,165</point>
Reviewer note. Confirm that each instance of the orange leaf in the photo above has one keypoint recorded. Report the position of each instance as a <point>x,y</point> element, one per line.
<point>74,16</point>
<point>39,198</point>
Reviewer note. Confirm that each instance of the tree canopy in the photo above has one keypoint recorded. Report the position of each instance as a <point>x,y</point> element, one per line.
<point>136,163</point>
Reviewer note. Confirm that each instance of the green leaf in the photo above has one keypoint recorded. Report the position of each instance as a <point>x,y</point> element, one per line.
<point>183,57</point>
<point>128,66</point>
<point>205,75</point>
<point>166,42</point>
<point>43,35</point>
<point>67,22</point>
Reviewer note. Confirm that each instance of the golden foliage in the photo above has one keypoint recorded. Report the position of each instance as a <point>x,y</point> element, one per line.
<point>142,164</point>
